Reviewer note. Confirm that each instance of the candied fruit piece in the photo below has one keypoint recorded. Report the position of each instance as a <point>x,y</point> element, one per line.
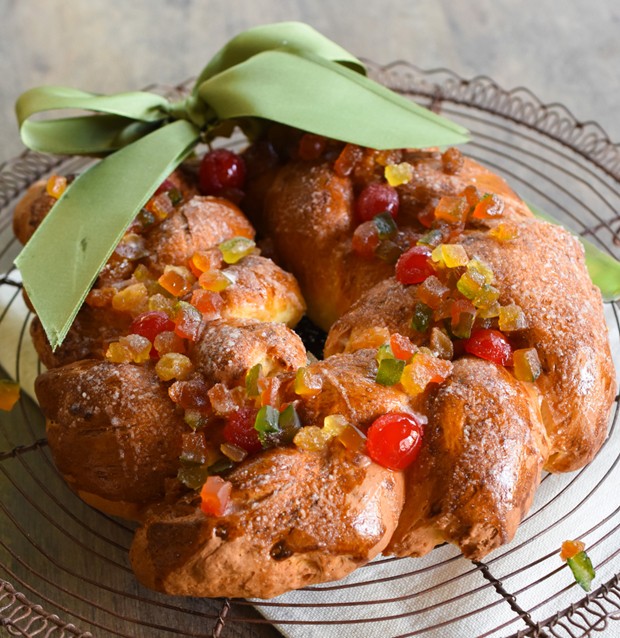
<point>480,267</point>
<point>350,155</point>
<point>311,146</point>
<point>526,364</point>
<point>491,345</point>
<point>470,283</point>
<point>334,425</point>
<point>397,174</point>
<point>352,439</point>
<point>571,548</point>
<point>9,394</point>
<point>463,315</point>
<point>168,341</point>
<point>486,297</point>
<point>376,198</point>
<point>432,292</point>
<point>289,424</point>
<point>389,371</point>
<point>177,280</point>
<point>367,338</point>
<point>100,297</point>
<point>160,206</point>
<point>365,240</point>
<point>224,400</point>
<point>424,369</point>
<point>162,303</point>
<point>214,280</point>
<point>422,317</point>
<point>233,452</point>
<point>187,321</point>
<point>132,348</point>
<point>452,209</point>
<point>236,248</point>
<point>441,344</point>
<point>402,347</point>
<point>452,161</point>
<point>512,318</point>
<point>204,260</point>
<point>414,265</point>
<point>215,495</point>
<point>490,206</point>
<point>505,231</point>
<point>269,388</point>
<point>450,255</point>
<point>307,384</point>
<point>133,299</point>
<point>471,194</point>
<point>174,365</point>
<point>56,186</point>
<point>209,303</point>
<point>311,438</point>
<point>239,429</point>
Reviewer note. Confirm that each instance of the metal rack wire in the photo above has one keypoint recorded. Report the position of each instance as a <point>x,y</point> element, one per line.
<point>64,568</point>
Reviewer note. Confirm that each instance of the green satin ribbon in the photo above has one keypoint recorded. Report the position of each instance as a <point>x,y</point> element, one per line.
<point>285,72</point>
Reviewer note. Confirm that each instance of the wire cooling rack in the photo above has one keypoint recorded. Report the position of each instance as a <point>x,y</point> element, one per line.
<point>64,568</point>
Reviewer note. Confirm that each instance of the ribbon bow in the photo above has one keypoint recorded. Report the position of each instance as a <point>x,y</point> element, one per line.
<point>284,72</point>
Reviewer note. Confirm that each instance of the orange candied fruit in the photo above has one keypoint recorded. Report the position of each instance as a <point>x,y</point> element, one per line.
<point>350,155</point>
<point>352,439</point>
<point>490,206</point>
<point>209,303</point>
<point>100,297</point>
<point>129,349</point>
<point>132,299</point>
<point>215,495</point>
<point>167,341</point>
<point>571,549</point>
<point>204,260</point>
<point>432,292</point>
<point>56,186</point>
<point>424,369</point>
<point>177,280</point>
<point>173,365</point>
<point>187,321</point>
<point>307,384</point>
<point>402,347</point>
<point>440,344</point>
<point>160,205</point>
<point>452,209</point>
<point>9,394</point>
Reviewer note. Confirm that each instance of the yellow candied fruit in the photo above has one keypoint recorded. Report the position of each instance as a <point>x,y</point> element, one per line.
<point>173,365</point>
<point>177,280</point>
<point>526,364</point>
<point>397,174</point>
<point>142,274</point>
<point>162,303</point>
<point>452,209</point>
<point>470,283</point>
<point>214,280</point>
<point>306,383</point>
<point>56,186</point>
<point>9,394</point>
<point>486,297</point>
<point>311,438</point>
<point>505,231</point>
<point>132,299</point>
<point>334,425</point>
<point>490,311</point>
<point>236,248</point>
<point>450,255</point>
<point>512,318</point>
<point>129,349</point>
<point>424,369</point>
<point>478,266</point>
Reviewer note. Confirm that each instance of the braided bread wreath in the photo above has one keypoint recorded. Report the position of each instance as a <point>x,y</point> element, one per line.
<point>467,351</point>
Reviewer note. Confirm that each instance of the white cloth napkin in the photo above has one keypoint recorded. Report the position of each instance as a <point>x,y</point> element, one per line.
<point>441,595</point>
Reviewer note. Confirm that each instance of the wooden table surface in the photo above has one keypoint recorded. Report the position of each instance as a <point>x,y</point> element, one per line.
<point>566,52</point>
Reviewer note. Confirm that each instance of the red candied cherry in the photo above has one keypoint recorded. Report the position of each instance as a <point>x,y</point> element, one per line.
<point>491,345</point>
<point>239,430</point>
<point>150,324</point>
<point>376,198</point>
<point>219,171</point>
<point>394,440</point>
<point>414,266</point>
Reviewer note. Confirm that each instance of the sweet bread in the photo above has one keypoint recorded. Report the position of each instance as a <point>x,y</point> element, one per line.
<point>183,398</point>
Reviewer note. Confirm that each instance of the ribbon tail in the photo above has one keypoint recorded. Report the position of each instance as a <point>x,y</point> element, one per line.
<point>63,258</point>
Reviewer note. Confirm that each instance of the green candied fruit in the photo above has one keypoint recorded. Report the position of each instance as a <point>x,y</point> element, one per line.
<point>385,225</point>
<point>236,248</point>
<point>390,371</point>
<point>289,423</point>
<point>583,571</point>
<point>422,316</point>
<point>251,380</point>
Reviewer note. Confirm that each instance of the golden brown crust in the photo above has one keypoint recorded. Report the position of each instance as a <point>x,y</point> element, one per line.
<point>484,448</point>
<point>296,518</point>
